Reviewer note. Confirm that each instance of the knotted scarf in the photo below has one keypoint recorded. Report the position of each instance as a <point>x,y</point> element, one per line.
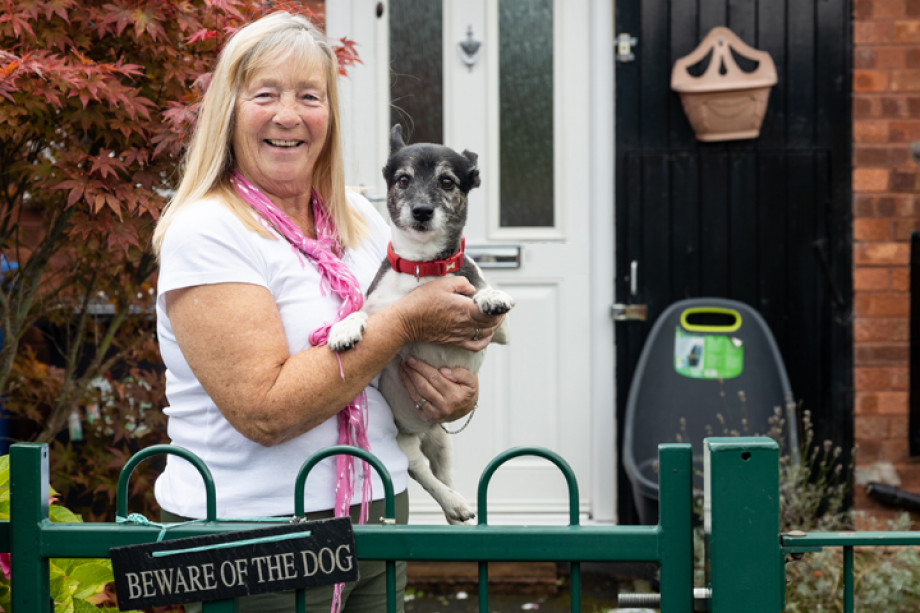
<point>335,277</point>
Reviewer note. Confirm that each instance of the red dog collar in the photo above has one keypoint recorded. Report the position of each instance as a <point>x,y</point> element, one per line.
<point>437,268</point>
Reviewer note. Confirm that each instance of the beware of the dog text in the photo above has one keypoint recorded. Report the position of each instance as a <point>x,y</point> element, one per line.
<point>230,565</point>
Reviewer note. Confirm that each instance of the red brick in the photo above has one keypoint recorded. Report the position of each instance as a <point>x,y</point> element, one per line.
<point>904,131</point>
<point>888,156</point>
<point>862,9</point>
<point>900,378</point>
<point>903,228</point>
<point>893,107</point>
<point>898,205</point>
<point>912,58</point>
<point>867,451</point>
<point>881,254</point>
<point>888,9</point>
<point>870,80</point>
<point>870,179</point>
<point>881,329</point>
<point>870,427</point>
<point>872,32</point>
<point>882,304</point>
<point>906,32</point>
<point>881,378</point>
<point>895,450</point>
<point>878,404</point>
<point>890,57</point>
<point>897,424</point>
<point>871,279</point>
<point>863,107</point>
<point>865,205</point>
<point>909,473</point>
<point>870,131</point>
<point>900,280</point>
<point>867,379</point>
<point>879,355</point>
<point>872,229</point>
<point>904,181</point>
<point>865,58</point>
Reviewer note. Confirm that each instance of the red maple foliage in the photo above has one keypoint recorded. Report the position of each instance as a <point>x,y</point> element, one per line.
<point>96,101</point>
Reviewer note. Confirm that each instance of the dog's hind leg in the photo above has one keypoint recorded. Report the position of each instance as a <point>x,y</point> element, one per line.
<point>438,448</point>
<point>456,509</point>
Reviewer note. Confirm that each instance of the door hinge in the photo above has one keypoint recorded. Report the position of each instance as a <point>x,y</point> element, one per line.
<point>624,47</point>
<point>628,312</point>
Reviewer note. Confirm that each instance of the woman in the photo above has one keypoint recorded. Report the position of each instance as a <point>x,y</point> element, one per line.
<point>261,249</point>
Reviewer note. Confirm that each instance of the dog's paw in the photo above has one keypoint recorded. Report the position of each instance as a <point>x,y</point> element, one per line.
<point>459,511</point>
<point>493,301</point>
<point>345,334</point>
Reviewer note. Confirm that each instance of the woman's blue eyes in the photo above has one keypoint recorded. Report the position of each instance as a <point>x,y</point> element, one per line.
<point>269,94</point>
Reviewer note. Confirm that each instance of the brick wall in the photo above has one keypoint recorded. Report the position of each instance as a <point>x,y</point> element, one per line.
<point>886,209</point>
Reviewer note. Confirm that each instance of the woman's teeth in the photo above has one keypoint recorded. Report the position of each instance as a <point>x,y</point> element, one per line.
<point>283,143</point>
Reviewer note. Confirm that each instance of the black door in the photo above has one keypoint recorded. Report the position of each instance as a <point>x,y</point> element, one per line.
<point>765,221</point>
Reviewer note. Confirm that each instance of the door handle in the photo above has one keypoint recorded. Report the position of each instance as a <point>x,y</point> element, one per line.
<point>628,312</point>
<point>634,278</point>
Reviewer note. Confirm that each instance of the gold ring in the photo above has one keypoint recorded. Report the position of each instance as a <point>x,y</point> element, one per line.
<point>478,334</point>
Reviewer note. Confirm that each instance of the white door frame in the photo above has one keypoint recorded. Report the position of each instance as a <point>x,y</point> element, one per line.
<point>365,117</point>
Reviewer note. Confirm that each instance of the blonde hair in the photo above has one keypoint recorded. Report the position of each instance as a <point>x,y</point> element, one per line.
<point>209,158</point>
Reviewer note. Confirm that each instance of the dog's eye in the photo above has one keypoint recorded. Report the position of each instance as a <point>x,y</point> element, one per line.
<point>447,184</point>
<point>403,180</point>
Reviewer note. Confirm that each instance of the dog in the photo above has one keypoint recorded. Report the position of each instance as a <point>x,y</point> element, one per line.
<point>427,189</point>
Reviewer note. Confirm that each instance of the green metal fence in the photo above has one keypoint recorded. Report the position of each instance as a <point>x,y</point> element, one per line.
<point>745,549</point>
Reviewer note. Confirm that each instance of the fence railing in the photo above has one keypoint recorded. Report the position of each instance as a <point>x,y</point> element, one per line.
<point>745,549</point>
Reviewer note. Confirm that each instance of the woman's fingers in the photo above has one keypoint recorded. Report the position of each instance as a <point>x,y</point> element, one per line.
<point>439,395</point>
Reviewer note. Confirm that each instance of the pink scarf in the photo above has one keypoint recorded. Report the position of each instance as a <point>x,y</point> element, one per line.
<point>337,278</point>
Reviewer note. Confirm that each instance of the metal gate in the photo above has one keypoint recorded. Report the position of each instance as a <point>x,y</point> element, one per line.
<point>745,549</point>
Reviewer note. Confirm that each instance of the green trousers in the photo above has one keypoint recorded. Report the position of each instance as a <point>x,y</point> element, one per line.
<point>366,595</point>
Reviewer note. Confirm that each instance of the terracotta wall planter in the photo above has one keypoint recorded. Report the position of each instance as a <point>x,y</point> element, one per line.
<point>725,102</point>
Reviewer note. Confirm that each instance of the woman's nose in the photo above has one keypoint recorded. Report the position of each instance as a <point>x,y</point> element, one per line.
<point>286,112</point>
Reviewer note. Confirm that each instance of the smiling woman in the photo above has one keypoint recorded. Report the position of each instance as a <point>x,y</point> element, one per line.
<point>261,249</point>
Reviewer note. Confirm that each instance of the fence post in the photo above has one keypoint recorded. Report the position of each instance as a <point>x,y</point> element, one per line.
<point>741,520</point>
<point>675,527</point>
<point>29,477</point>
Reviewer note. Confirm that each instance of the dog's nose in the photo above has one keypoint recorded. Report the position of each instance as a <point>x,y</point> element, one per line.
<point>422,213</point>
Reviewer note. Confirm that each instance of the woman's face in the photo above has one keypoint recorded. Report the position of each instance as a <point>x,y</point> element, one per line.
<point>282,116</point>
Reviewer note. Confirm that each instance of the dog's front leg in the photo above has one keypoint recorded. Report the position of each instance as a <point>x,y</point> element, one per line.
<point>456,509</point>
<point>345,334</point>
<point>493,301</point>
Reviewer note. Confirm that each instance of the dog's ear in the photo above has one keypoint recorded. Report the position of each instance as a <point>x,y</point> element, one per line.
<point>473,175</point>
<point>396,139</point>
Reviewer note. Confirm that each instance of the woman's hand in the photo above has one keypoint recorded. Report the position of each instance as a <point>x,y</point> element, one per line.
<point>443,312</point>
<point>449,393</point>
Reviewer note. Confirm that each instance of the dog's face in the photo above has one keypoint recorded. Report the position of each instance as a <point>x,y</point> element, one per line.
<point>427,187</point>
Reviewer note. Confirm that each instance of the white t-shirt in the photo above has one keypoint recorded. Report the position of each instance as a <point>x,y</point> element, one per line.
<point>207,244</point>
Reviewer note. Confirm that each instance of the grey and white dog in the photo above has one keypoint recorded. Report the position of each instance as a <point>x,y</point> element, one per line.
<point>427,188</point>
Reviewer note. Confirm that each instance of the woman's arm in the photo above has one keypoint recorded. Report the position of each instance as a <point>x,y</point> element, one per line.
<point>233,340</point>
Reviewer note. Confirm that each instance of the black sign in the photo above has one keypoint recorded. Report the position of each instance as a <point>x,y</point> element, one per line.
<point>223,566</point>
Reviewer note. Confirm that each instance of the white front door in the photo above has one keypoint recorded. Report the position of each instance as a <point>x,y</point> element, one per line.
<point>526,84</point>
